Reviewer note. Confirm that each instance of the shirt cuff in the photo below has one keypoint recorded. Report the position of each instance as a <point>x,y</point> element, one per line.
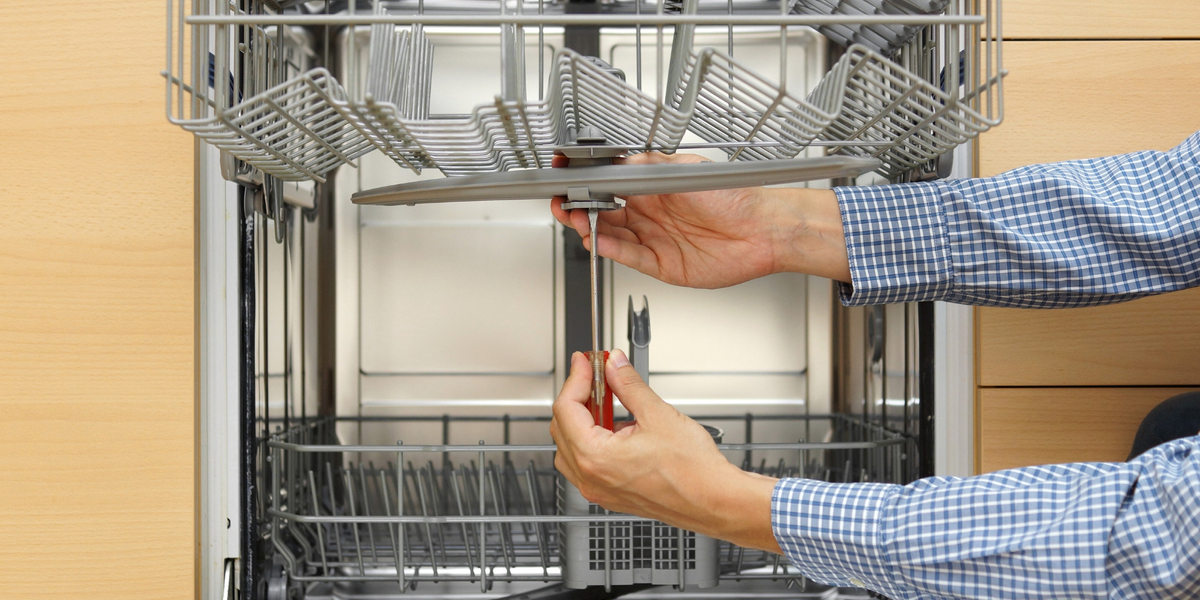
<point>897,243</point>
<point>831,531</point>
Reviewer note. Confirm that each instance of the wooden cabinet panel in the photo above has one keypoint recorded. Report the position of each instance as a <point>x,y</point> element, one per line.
<point>1067,100</point>
<point>1101,19</point>
<point>1152,341</point>
<point>97,470</point>
<point>1036,426</point>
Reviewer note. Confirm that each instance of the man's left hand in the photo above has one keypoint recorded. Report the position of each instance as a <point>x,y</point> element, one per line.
<point>664,466</point>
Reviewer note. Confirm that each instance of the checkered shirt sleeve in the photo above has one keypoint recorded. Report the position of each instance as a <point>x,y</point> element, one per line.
<point>1058,235</point>
<point>1085,530</point>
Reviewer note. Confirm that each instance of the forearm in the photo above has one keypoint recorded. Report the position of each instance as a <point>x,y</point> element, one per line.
<point>831,532</point>
<point>1046,236</point>
<point>1058,235</point>
<point>805,226</point>
<point>1082,530</point>
<point>999,536</point>
<point>731,504</point>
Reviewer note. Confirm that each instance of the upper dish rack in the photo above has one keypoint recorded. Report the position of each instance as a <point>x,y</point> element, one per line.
<point>918,78</point>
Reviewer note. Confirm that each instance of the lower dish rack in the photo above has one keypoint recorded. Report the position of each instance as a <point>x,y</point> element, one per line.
<point>382,520</point>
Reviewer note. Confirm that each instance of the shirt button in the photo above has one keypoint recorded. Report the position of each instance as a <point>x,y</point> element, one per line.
<point>857,582</point>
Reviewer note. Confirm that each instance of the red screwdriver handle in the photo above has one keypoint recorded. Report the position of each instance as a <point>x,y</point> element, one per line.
<point>602,411</point>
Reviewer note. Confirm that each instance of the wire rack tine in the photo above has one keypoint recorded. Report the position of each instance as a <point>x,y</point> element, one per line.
<point>348,486</point>
<point>429,550</point>
<point>466,538</point>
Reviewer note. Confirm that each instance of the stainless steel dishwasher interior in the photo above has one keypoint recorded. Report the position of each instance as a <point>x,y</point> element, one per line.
<point>400,362</point>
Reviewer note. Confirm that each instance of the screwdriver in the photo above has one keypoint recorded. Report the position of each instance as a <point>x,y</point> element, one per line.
<point>600,403</point>
<point>590,148</point>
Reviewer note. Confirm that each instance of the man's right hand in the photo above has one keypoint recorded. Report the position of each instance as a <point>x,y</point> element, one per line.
<point>719,238</point>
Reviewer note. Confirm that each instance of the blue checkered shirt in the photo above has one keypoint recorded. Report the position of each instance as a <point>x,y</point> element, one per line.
<point>1075,531</point>
<point>1074,233</point>
<point>1068,234</point>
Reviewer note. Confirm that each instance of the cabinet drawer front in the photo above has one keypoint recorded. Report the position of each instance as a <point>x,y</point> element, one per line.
<point>1036,426</point>
<point>1152,341</point>
<point>1101,19</point>
<point>1068,100</point>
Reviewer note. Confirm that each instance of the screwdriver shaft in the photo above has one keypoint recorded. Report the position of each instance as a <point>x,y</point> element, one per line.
<point>597,357</point>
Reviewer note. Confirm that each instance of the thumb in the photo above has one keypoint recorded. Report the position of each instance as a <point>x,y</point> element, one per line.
<point>628,387</point>
<point>570,414</point>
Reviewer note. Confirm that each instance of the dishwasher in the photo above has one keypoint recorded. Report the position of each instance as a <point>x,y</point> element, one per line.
<point>387,308</point>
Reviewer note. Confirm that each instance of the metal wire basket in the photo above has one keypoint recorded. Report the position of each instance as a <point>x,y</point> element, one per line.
<point>517,134</point>
<point>939,84</point>
<point>348,515</point>
<point>887,112</point>
<point>290,131</point>
<point>268,108</point>
<point>884,38</point>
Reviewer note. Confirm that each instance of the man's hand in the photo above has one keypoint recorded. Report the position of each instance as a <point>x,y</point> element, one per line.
<point>719,238</point>
<point>664,466</point>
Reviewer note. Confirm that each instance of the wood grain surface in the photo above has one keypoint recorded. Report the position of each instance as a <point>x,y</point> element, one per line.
<point>96,308</point>
<point>1101,19</point>
<point>1152,341</point>
<point>1034,426</point>
<point>1067,100</point>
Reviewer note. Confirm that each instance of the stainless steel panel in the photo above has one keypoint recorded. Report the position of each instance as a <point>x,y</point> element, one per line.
<point>457,297</point>
<point>466,67</point>
<point>757,47</point>
<point>755,327</point>
<point>498,392</point>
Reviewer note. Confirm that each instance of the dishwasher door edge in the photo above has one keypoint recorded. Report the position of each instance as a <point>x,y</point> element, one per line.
<point>217,359</point>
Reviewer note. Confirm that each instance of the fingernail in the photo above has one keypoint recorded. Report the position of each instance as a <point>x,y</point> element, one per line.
<point>618,359</point>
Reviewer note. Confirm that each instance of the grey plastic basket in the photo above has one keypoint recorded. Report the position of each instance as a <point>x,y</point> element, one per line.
<point>612,553</point>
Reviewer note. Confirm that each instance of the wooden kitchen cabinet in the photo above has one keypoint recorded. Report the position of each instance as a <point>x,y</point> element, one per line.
<point>97,319</point>
<point>1101,19</point>
<point>1033,426</point>
<point>1067,100</point>
<point>1152,341</point>
<point>1048,379</point>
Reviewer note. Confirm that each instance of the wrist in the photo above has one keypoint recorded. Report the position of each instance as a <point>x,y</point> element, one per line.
<point>807,232</point>
<point>739,509</point>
